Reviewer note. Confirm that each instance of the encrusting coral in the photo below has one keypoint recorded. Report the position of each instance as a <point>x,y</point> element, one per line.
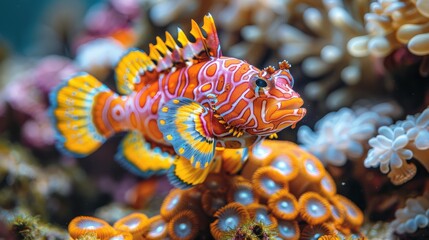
<point>282,191</point>
<point>397,144</point>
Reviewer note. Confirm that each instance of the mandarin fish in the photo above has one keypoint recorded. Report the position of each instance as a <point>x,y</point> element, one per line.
<point>183,99</point>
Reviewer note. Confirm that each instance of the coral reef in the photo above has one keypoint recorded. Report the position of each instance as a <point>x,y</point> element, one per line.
<point>389,25</point>
<point>282,191</point>
<point>397,144</point>
<point>343,135</point>
<point>341,51</point>
<point>412,220</point>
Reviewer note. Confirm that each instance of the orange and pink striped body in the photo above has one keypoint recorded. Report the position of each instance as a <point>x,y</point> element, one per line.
<point>222,84</point>
<point>186,101</point>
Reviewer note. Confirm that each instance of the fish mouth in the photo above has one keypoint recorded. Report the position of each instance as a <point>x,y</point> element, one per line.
<point>289,111</point>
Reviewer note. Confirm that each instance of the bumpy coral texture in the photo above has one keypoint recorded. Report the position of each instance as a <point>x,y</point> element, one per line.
<point>390,24</point>
<point>296,205</point>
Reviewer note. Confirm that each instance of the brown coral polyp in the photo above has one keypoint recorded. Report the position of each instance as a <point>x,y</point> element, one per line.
<point>212,201</point>
<point>183,226</point>
<point>242,192</point>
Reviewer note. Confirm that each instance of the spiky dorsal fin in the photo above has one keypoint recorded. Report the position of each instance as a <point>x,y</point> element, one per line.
<point>201,49</point>
<point>165,56</point>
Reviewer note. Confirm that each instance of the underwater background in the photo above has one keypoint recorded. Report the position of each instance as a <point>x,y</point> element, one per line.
<point>361,66</point>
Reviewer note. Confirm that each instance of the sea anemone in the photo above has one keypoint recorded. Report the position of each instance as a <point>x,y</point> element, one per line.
<point>242,192</point>
<point>267,181</point>
<point>288,229</point>
<point>156,228</point>
<point>313,208</point>
<point>286,163</point>
<point>353,215</point>
<point>228,218</point>
<point>283,205</point>
<point>311,172</point>
<point>174,202</point>
<point>82,225</point>
<point>234,206</point>
<point>260,213</point>
<point>338,211</point>
<point>134,223</point>
<point>183,226</point>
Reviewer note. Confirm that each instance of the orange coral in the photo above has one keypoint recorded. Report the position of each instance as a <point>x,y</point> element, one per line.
<point>297,207</point>
<point>83,225</point>
<point>183,226</point>
<point>134,223</point>
<point>267,181</point>
<point>228,218</point>
<point>313,208</point>
<point>283,205</point>
<point>173,203</point>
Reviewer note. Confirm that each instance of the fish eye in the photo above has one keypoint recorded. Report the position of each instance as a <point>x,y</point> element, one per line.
<point>261,83</point>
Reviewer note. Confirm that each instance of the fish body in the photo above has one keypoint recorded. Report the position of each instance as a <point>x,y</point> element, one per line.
<point>186,101</point>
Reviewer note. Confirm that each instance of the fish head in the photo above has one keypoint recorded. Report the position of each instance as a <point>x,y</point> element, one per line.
<point>264,103</point>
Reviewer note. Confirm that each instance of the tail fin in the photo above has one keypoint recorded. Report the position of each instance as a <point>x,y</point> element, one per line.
<point>72,113</point>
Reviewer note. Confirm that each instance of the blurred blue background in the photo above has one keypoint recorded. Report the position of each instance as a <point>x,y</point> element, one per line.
<point>22,20</point>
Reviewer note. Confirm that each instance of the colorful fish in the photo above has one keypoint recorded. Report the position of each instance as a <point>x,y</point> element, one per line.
<point>185,100</point>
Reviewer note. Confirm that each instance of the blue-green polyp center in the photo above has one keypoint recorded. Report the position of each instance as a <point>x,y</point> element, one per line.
<point>243,196</point>
<point>311,167</point>
<point>173,203</point>
<point>269,185</point>
<point>89,224</point>
<point>132,223</point>
<point>183,228</point>
<point>282,164</point>
<point>229,220</point>
<point>286,229</point>
<point>285,206</point>
<point>315,208</point>
<point>262,216</point>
